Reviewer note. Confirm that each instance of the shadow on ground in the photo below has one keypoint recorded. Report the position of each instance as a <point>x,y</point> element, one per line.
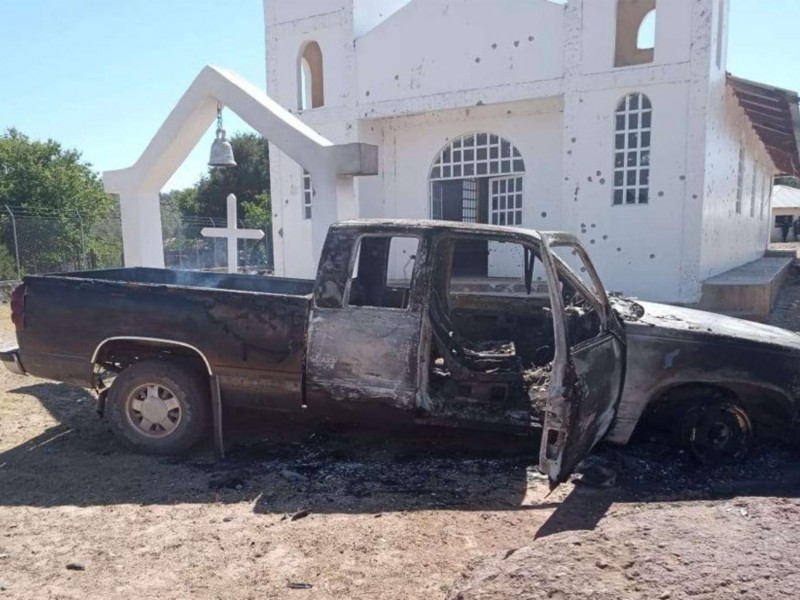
<point>290,467</point>
<point>648,473</point>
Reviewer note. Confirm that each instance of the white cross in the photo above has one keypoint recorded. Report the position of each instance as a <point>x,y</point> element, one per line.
<point>232,234</point>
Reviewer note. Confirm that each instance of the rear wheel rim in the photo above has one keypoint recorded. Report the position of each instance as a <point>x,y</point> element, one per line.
<point>153,410</point>
<point>720,433</point>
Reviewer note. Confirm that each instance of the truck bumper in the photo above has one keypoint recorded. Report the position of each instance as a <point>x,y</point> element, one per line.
<point>10,358</point>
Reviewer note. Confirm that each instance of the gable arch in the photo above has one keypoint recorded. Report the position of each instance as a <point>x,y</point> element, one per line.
<point>310,77</point>
<point>138,186</point>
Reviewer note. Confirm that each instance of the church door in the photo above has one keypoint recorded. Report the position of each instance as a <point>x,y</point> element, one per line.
<point>477,178</point>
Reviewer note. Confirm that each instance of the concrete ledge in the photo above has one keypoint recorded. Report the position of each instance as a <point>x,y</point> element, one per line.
<point>748,291</point>
<point>780,252</point>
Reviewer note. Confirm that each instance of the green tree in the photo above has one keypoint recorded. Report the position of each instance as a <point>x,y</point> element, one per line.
<point>60,194</point>
<point>788,180</point>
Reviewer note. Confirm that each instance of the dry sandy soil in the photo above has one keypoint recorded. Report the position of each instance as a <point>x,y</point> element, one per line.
<point>301,513</point>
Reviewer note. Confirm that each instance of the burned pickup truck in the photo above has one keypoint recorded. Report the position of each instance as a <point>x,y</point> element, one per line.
<point>430,322</point>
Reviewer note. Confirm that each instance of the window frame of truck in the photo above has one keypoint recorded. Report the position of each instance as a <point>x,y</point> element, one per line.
<point>367,355</point>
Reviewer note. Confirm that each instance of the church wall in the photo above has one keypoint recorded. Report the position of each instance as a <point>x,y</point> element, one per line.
<point>412,143</point>
<point>635,248</point>
<point>729,238</point>
<point>287,12</point>
<point>440,46</point>
<point>371,192</point>
<point>292,233</point>
<point>416,82</point>
<point>369,13</point>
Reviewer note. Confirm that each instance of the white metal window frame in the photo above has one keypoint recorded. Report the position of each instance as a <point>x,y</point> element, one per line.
<point>505,200</point>
<point>469,201</point>
<point>633,121</point>
<point>477,155</point>
<point>469,157</point>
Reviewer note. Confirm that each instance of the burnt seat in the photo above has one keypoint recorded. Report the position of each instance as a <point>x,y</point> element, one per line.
<point>495,356</point>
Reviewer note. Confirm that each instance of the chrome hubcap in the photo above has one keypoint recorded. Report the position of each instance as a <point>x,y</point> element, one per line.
<point>154,410</point>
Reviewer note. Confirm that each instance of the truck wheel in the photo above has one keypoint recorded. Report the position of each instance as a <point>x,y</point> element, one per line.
<point>157,407</point>
<point>716,433</point>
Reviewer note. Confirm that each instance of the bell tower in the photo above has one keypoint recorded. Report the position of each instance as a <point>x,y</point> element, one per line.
<point>310,53</point>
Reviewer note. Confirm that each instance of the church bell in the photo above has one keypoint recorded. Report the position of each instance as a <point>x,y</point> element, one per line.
<point>221,149</point>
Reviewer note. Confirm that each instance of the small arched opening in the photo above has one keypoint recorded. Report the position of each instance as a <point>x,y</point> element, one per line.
<point>310,77</point>
<point>636,32</point>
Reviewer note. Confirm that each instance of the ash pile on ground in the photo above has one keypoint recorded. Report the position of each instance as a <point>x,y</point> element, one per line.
<point>335,469</point>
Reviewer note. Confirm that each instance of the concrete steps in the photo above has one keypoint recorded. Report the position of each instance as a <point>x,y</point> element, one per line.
<point>749,291</point>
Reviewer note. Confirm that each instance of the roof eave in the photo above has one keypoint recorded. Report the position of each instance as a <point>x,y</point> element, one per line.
<point>775,117</point>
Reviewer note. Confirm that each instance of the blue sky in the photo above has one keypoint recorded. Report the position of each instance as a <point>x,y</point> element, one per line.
<point>101,75</point>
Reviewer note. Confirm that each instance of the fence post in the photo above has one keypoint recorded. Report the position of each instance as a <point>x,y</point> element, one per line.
<point>214,240</point>
<point>16,243</point>
<point>83,240</point>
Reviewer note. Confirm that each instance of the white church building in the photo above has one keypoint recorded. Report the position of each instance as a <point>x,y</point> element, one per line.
<point>615,120</point>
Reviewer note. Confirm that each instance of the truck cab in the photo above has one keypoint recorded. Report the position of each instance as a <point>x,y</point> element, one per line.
<point>529,340</point>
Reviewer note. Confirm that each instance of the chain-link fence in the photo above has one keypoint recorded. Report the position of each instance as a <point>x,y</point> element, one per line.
<point>38,241</point>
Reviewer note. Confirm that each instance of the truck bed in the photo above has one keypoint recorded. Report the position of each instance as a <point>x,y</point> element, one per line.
<point>249,329</point>
<point>197,279</point>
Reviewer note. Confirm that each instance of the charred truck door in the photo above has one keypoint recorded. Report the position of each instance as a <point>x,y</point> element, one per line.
<point>366,317</point>
<point>589,365</point>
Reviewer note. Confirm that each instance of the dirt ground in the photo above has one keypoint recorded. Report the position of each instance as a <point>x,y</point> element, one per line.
<point>299,512</point>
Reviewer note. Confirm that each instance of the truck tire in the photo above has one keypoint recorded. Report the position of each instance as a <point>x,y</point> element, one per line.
<point>158,407</point>
<point>716,432</point>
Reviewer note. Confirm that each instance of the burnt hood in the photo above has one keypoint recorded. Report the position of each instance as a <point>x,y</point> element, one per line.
<point>663,319</point>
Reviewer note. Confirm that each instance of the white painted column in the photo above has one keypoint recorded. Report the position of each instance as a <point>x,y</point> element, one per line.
<point>324,208</point>
<point>142,239</point>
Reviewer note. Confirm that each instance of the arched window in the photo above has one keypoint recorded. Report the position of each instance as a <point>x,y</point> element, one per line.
<point>478,177</point>
<point>310,81</point>
<point>636,32</point>
<point>632,150</point>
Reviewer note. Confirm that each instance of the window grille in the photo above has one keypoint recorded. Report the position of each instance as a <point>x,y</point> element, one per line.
<point>477,155</point>
<point>632,150</point>
<point>469,201</point>
<point>506,201</point>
